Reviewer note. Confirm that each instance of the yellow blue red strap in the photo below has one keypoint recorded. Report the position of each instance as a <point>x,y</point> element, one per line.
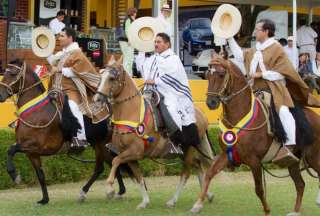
<point>34,102</point>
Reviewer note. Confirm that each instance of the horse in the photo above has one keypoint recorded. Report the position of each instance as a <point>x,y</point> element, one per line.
<point>40,133</point>
<point>142,140</point>
<point>229,87</point>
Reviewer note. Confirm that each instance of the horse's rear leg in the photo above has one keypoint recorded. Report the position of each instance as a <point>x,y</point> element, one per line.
<point>214,169</point>
<point>201,175</point>
<point>11,169</point>
<point>257,175</point>
<point>295,174</point>
<point>36,162</point>
<point>122,188</point>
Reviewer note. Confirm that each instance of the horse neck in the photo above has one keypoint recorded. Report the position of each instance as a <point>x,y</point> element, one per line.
<point>31,93</point>
<point>128,110</point>
<point>239,105</point>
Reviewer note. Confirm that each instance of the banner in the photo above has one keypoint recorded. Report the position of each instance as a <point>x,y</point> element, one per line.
<point>49,8</point>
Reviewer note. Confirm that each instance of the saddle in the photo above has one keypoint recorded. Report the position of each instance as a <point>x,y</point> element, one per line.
<point>304,131</point>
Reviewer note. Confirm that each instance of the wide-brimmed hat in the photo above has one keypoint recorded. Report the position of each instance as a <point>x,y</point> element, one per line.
<point>43,42</point>
<point>226,21</point>
<point>142,33</point>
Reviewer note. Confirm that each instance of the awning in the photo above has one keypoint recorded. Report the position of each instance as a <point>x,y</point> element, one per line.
<point>300,3</point>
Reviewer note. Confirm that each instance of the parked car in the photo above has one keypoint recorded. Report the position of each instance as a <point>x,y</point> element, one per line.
<point>197,35</point>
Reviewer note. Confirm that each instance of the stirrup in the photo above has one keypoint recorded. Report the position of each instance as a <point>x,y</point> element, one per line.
<point>285,157</point>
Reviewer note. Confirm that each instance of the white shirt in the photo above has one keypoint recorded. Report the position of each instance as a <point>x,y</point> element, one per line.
<point>172,82</point>
<point>56,26</point>
<point>293,56</point>
<point>306,36</point>
<point>168,28</point>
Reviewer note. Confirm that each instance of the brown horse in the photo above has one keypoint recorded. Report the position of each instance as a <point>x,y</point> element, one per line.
<point>127,102</point>
<point>40,134</point>
<point>227,85</point>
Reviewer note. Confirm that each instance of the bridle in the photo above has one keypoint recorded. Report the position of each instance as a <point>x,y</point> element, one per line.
<point>227,82</point>
<point>21,74</point>
<point>119,83</point>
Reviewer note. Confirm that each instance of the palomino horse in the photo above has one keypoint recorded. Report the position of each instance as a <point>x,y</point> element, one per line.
<point>229,86</point>
<point>142,140</point>
<point>39,133</point>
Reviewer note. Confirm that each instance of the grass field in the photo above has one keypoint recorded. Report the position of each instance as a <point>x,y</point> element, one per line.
<point>234,195</point>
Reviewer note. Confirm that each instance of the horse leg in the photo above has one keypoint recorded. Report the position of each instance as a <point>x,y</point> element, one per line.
<point>257,175</point>
<point>143,188</point>
<point>97,171</point>
<point>36,163</point>
<point>201,174</point>
<point>214,169</point>
<point>123,157</point>
<point>295,174</point>
<point>11,169</point>
<point>122,188</point>
<point>183,180</point>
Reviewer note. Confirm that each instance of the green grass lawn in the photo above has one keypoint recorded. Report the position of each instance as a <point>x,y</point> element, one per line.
<point>234,195</point>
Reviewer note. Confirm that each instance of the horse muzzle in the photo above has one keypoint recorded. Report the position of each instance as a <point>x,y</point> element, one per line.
<point>213,102</point>
<point>100,99</point>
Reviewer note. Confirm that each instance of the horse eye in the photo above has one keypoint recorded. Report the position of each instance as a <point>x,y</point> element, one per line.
<point>112,78</point>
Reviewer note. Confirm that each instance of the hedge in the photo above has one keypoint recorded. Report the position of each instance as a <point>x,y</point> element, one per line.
<point>61,168</point>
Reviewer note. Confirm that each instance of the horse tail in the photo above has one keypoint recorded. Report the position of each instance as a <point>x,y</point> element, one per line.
<point>205,149</point>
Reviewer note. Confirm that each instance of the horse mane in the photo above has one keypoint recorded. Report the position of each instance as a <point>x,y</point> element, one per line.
<point>19,62</point>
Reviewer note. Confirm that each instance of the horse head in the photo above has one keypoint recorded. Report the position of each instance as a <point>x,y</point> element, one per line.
<point>17,79</point>
<point>12,79</point>
<point>225,80</point>
<point>111,84</point>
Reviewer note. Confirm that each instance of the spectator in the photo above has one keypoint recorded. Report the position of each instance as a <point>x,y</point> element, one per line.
<point>126,49</point>
<point>56,25</point>
<point>292,53</point>
<point>164,17</point>
<point>306,72</point>
<point>307,39</point>
<point>316,66</point>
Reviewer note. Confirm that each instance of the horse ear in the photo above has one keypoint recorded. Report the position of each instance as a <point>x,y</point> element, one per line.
<point>111,61</point>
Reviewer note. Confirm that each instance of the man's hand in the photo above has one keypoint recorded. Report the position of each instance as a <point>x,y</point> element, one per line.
<point>54,69</point>
<point>149,82</point>
<point>256,75</point>
<point>67,72</point>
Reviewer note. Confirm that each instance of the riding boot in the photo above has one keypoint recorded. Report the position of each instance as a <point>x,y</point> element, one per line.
<point>285,156</point>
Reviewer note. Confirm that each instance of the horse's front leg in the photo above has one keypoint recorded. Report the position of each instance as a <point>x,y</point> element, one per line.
<point>124,157</point>
<point>214,169</point>
<point>36,163</point>
<point>11,169</point>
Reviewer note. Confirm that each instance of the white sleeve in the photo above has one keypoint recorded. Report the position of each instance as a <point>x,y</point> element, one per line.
<point>236,50</point>
<point>67,72</point>
<point>139,59</point>
<point>272,76</point>
<point>50,59</point>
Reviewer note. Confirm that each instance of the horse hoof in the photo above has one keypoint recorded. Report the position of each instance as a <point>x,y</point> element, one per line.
<point>210,197</point>
<point>110,193</point>
<point>196,208</point>
<point>82,196</point>
<point>17,180</point>
<point>142,205</point>
<point>43,202</point>
<point>118,196</point>
<point>171,203</point>
<point>294,214</point>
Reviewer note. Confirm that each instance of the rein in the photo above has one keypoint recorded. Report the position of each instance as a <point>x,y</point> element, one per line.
<point>21,79</point>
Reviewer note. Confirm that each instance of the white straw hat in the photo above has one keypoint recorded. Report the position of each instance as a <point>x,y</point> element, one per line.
<point>226,21</point>
<point>142,33</point>
<point>43,42</point>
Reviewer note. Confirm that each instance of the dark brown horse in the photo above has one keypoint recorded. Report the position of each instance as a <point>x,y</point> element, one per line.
<point>227,85</point>
<point>40,134</point>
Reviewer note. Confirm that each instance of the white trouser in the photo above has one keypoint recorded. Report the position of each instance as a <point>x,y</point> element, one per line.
<point>289,125</point>
<point>128,56</point>
<point>81,135</point>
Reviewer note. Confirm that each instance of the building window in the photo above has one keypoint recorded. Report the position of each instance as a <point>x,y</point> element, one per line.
<point>4,8</point>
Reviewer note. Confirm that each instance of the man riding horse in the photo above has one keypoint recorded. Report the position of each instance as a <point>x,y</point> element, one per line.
<point>77,78</point>
<point>164,72</point>
<point>269,67</point>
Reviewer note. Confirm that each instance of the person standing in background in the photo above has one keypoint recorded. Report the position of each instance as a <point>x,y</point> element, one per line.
<point>164,18</point>
<point>126,49</point>
<point>56,25</point>
<point>307,39</point>
<point>292,53</point>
